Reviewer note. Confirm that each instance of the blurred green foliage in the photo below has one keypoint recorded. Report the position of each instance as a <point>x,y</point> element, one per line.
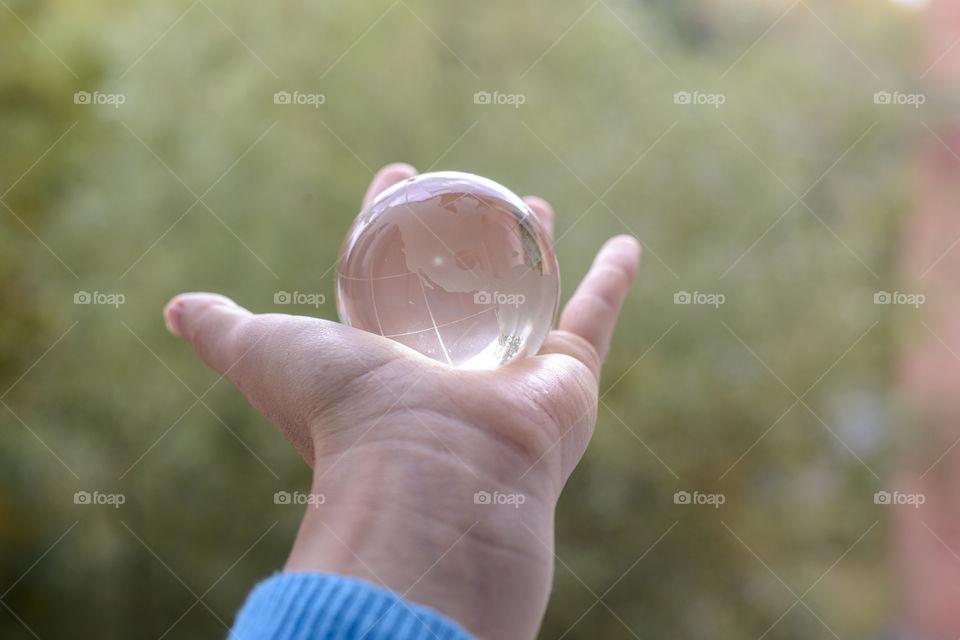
<point>200,182</point>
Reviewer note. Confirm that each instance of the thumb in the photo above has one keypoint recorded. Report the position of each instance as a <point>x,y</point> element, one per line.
<point>236,343</point>
<point>290,368</point>
<point>213,325</point>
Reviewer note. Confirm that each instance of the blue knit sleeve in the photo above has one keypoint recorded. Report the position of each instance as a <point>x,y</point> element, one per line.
<point>320,606</point>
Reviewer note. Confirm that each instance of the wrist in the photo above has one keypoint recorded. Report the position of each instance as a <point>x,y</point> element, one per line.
<point>412,517</point>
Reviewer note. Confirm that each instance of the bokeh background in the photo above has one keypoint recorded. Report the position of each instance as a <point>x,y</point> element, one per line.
<point>787,199</point>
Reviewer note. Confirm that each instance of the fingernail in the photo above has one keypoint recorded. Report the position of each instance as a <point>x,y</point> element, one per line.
<point>173,317</point>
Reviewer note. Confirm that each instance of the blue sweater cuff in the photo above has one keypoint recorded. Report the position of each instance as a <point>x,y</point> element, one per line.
<point>320,606</point>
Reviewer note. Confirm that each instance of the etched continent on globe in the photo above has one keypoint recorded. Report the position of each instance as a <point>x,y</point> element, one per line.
<point>454,266</point>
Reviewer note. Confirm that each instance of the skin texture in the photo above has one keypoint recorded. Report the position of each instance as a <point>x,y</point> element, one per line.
<point>400,444</point>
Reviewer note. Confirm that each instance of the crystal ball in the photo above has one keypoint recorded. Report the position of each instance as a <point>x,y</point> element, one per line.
<point>454,266</point>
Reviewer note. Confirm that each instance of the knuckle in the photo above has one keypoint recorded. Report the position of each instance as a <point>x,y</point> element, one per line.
<point>244,335</point>
<point>246,340</point>
<point>220,337</point>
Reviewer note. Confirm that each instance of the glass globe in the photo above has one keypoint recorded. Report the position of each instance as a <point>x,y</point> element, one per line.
<point>454,266</point>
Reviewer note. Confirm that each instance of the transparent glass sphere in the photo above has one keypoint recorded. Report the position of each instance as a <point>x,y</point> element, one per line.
<point>454,266</point>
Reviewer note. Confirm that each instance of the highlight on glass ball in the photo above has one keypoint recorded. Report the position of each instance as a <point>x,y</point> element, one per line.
<point>454,266</point>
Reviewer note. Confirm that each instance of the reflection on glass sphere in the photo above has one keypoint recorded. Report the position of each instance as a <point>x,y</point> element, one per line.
<point>454,266</point>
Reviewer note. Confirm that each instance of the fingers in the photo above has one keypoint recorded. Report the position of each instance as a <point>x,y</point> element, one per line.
<point>387,177</point>
<point>544,212</point>
<point>592,311</point>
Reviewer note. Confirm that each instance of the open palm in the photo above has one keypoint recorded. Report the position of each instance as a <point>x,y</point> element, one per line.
<point>372,416</point>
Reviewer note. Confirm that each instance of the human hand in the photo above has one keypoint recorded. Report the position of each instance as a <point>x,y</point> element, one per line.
<point>400,444</point>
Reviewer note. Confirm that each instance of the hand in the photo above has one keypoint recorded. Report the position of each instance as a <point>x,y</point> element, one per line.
<point>400,443</point>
